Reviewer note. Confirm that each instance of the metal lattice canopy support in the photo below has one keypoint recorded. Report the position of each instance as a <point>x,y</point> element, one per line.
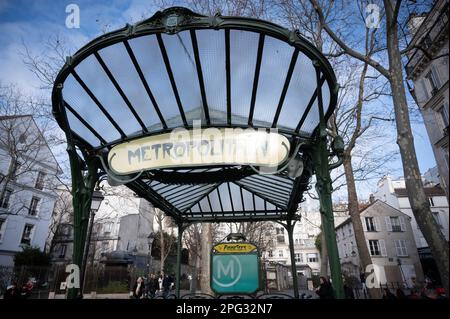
<point>178,67</point>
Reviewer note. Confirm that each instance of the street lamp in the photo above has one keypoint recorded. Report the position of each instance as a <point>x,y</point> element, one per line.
<point>150,238</point>
<point>97,198</point>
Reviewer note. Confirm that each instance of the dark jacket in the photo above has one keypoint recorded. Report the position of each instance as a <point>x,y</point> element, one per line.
<point>166,283</point>
<point>153,285</point>
<point>325,291</point>
<point>140,292</point>
<point>12,293</point>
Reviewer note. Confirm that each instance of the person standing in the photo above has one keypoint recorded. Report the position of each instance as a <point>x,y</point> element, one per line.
<point>325,290</point>
<point>166,285</point>
<point>12,292</point>
<point>139,288</point>
<point>153,286</point>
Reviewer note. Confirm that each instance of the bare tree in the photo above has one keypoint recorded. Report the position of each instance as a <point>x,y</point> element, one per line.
<point>24,151</point>
<point>393,72</point>
<point>165,242</point>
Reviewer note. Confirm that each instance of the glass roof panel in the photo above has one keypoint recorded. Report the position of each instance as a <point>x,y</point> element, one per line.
<point>148,55</point>
<point>92,74</point>
<point>80,101</point>
<point>301,88</point>
<point>243,50</point>
<point>181,56</point>
<point>211,47</point>
<point>78,127</point>
<point>312,119</point>
<point>248,200</point>
<point>274,66</point>
<point>215,203</point>
<point>235,192</point>
<point>225,197</point>
<point>259,203</point>
<point>119,63</point>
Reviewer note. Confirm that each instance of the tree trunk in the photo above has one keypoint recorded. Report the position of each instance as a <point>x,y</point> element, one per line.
<point>195,274</point>
<point>162,249</point>
<point>206,261</point>
<point>323,255</point>
<point>358,229</point>
<point>416,193</point>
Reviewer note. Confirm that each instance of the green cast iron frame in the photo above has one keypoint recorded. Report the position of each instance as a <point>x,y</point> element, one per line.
<point>87,169</point>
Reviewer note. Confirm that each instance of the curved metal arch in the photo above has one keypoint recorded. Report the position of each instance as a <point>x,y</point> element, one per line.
<point>164,22</point>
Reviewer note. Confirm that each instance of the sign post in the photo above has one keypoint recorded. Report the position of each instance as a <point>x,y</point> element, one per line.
<point>235,268</point>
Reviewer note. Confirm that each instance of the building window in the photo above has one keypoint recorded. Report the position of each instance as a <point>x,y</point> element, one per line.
<point>280,253</point>
<point>40,180</point>
<point>33,210</point>
<point>270,254</point>
<point>313,258</point>
<point>298,257</point>
<point>443,112</point>
<point>431,201</point>
<point>374,247</point>
<point>432,81</point>
<point>395,224</point>
<point>2,228</point>
<point>62,251</point>
<point>400,246</point>
<point>26,235</point>
<point>370,224</point>
<point>4,200</point>
<point>437,219</point>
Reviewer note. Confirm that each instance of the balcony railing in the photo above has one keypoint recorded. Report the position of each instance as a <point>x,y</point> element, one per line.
<point>428,39</point>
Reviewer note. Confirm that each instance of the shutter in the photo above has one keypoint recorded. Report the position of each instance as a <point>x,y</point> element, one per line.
<point>425,89</point>
<point>368,247</point>
<point>382,247</point>
<point>376,224</point>
<point>363,221</point>
<point>388,223</point>
<point>406,242</point>
<point>398,247</point>
<point>435,73</point>
<point>402,223</point>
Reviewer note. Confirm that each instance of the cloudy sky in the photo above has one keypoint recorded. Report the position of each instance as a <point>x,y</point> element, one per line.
<point>34,22</point>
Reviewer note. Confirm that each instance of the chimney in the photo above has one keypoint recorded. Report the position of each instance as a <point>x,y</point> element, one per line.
<point>371,199</point>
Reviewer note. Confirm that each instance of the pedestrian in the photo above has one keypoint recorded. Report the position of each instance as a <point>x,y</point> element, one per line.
<point>414,294</point>
<point>387,294</point>
<point>166,285</point>
<point>12,292</point>
<point>153,286</point>
<point>325,290</point>
<point>138,288</point>
<point>348,292</point>
<point>400,294</point>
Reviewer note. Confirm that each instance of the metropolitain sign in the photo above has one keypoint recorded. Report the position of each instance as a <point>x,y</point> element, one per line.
<point>200,147</point>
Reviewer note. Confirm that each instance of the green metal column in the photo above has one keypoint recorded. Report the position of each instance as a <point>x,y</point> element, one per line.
<point>82,188</point>
<point>324,190</point>
<point>83,183</point>
<point>179,246</point>
<point>290,230</point>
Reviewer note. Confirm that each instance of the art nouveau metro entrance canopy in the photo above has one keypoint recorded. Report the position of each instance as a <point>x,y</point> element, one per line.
<point>179,67</point>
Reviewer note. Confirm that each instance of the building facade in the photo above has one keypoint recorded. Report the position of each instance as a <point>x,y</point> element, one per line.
<point>389,236</point>
<point>108,233</point>
<point>393,192</point>
<point>28,179</point>
<point>427,68</point>
<point>306,231</point>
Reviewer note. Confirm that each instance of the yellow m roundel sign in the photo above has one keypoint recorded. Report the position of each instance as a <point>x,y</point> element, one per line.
<point>198,147</point>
